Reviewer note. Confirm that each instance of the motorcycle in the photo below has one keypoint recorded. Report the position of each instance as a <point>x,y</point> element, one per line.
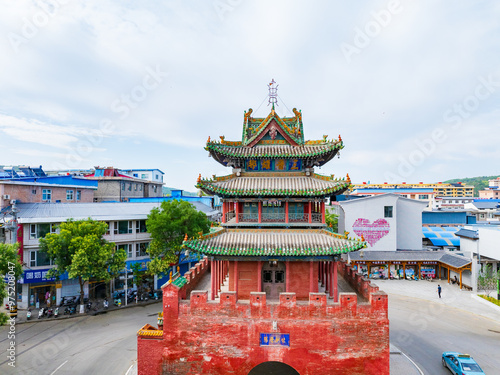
<point>70,310</point>
<point>56,312</point>
<point>41,312</point>
<point>106,303</point>
<point>50,312</point>
<point>28,315</point>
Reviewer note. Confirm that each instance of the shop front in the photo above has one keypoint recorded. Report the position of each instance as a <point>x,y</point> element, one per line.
<point>40,289</point>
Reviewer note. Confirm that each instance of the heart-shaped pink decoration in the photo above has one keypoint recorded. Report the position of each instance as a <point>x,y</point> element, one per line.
<point>372,232</point>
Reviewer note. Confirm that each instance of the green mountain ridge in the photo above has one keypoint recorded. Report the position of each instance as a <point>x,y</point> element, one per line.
<point>479,183</point>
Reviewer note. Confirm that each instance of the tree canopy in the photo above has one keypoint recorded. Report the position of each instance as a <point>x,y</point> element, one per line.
<point>332,220</point>
<point>80,249</point>
<point>9,266</point>
<point>168,225</point>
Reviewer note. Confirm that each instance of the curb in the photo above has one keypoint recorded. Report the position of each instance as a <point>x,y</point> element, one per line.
<point>485,302</point>
<point>94,313</point>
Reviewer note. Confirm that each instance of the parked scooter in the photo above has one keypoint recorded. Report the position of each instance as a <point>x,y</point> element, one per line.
<point>41,312</point>
<point>50,312</point>
<point>105,303</point>
<point>28,315</point>
<point>70,310</point>
<point>56,312</point>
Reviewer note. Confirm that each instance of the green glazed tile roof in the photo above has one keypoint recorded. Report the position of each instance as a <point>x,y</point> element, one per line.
<point>291,126</point>
<point>273,242</point>
<point>180,282</point>
<point>314,150</point>
<point>277,185</point>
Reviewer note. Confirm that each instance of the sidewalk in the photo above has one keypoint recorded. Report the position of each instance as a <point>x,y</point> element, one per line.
<point>21,314</point>
<point>451,295</point>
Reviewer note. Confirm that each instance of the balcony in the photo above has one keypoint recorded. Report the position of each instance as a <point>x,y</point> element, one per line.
<point>271,219</point>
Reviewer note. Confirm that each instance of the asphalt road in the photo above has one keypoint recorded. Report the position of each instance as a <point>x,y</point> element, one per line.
<point>102,344</point>
<point>106,344</point>
<point>425,329</point>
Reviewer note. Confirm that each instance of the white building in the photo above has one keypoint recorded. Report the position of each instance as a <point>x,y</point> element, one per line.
<point>154,175</point>
<point>387,222</point>
<point>481,242</point>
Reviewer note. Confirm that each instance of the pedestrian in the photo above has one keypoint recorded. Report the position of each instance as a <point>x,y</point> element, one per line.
<point>439,291</point>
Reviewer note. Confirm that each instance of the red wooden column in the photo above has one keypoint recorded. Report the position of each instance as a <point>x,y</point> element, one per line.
<point>286,212</point>
<point>236,278</point>
<point>335,283</point>
<point>332,281</point>
<point>327,285</point>
<point>311,277</point>
<point>236,210</point>
<point>260,211</point>
<point>259,276</point>
<point>223,211</point>
<point>323,212</point>
<point>212,280</point>
<point>322,264</point>
<point>310,212</point>
<point>216,271</point>
<point>287,276</point>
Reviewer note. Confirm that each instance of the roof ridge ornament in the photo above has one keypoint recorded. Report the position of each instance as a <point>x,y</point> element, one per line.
<point>273,93</point>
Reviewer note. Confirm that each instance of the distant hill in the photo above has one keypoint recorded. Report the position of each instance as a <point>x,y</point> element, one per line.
<point>479,183</point>
<point>168,191</point>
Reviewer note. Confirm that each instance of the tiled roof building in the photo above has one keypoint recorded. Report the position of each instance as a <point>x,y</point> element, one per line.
<point>273,301</point>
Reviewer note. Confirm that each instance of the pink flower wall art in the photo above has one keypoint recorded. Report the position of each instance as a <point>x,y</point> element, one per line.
<point>372,232</point>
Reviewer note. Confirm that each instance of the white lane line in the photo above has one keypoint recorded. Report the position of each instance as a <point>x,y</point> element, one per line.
<point>53,372</point>
<point>414,364</point>
<point>130,369</point>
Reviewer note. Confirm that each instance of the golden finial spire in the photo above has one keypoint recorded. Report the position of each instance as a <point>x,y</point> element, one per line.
<point>186,237</point>
<point>199,178</point>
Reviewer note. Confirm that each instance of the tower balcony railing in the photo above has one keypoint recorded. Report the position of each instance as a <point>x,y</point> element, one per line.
<point>298,217</point>
<point>316,217</point>
<point>273,217</point>
<point>248,217</point>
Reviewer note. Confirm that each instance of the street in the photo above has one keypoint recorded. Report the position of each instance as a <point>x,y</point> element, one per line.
<point>102,344</point>
<point>106,344</point>
<point>424,329</point>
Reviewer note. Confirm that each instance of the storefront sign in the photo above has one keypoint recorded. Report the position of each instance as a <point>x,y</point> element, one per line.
<point>275,339</point>
<point>36,276</point>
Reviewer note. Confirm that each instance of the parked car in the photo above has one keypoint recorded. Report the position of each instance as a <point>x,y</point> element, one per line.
<point>461,364</point>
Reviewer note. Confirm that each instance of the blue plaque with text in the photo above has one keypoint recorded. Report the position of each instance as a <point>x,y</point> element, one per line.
<point>275,339</point>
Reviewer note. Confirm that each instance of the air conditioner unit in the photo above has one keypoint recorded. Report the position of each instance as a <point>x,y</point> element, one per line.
<point>6,196</point>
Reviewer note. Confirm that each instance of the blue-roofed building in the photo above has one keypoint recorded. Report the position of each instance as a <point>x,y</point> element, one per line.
<point>447,218</point>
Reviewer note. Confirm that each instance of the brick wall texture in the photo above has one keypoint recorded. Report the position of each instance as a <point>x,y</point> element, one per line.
<point>222,337</point>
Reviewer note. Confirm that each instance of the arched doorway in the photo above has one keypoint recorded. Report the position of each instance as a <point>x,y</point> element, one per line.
<point>273,368</point>
<point>273,279</point>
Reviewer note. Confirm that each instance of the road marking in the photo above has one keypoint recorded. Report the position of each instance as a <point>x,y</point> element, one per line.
<point>130,368</point>
<point>53,372</point>
<point>409,359</point>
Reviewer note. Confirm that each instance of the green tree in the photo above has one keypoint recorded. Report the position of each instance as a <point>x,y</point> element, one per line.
<point>80,249</point>
<point>10,267</point>
<point>332,220</point>
<point>168,225</point>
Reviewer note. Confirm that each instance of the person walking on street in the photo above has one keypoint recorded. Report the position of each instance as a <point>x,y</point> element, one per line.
<point>439,291</point>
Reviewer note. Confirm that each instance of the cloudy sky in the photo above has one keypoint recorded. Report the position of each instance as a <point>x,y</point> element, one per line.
<point>412,86</point>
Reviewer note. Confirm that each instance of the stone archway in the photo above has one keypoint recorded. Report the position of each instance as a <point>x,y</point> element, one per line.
<point>273,368</point>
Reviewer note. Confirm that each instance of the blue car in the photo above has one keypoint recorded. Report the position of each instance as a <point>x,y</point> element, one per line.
<point>461,364</point>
